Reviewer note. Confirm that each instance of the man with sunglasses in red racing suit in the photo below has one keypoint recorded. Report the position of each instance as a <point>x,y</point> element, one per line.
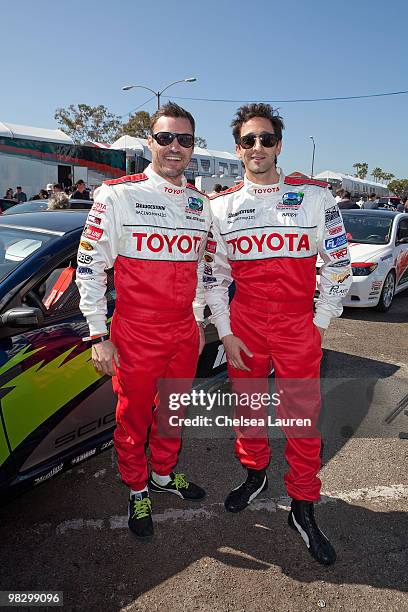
<point>152,228</point>
<point>266,234</point>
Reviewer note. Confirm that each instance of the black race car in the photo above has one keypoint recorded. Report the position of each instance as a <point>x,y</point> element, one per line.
<point>56,411</point>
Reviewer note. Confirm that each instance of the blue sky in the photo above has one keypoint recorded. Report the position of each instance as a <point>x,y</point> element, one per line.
<point>60,53</point>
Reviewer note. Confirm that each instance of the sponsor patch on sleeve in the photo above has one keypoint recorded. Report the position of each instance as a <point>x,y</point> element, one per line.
<point>86,245</point>
<point>331,244</point>
<point>211,246</point>
<point>92,233</point>
<point>99,207</point>
<point>93,219</point>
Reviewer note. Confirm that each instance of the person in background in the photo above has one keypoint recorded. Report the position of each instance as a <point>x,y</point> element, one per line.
<point>346,202</point>
<point>20,196</point>
<point>80,193</point>
<point>217,189</point>
<point>9,194</point>
<point>56,188</point>
<point>362,200</point>
<point>67,182</point>
<point>339,195</point>
<point>372,203</point>
<point>225,187</point>
<point>403,205</point>
<point>49,189</point>
<point>58,201</point>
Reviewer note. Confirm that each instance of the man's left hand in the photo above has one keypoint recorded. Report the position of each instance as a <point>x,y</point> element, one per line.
<point>202,340</point>
<point>321,331</point>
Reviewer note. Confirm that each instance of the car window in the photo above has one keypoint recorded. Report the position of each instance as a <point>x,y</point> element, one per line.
<point>16,245</point>
<point>57,293</point>
<point>370,229</point>
<point>402,229</point>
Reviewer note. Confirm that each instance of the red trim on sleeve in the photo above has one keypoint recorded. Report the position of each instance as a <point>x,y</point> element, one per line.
<point>227,191</point>
<point>131,178</point>
<point>190,186</point>
<point>300,181</point>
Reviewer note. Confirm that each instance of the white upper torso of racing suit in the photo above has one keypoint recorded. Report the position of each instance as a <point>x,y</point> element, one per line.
<point>154,234</point>
<point>266,238</point>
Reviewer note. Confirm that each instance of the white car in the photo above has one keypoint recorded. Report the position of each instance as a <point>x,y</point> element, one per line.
<point>378,243</point>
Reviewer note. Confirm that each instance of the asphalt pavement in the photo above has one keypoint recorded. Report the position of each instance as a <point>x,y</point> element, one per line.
<point>71,535</point>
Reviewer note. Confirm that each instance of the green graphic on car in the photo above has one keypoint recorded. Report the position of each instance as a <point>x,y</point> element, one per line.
<point>49,386</point>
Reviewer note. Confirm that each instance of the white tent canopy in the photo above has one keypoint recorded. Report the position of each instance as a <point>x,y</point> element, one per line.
<point>11,130</point>
<point>339,176</point>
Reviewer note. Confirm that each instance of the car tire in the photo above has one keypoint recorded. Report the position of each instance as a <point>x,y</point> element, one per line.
<point>387,293</point>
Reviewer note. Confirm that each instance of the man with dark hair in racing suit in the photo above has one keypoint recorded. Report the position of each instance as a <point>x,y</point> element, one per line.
<point>267,232</point>
<point>152,228</point>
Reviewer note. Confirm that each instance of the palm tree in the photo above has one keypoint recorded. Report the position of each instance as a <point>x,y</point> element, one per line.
<point>377,174</point>
<point>388,176</point>
<point>361,169</point>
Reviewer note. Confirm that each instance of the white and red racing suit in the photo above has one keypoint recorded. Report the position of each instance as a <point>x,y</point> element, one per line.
<point>154,234</point>
<point>266,239</point>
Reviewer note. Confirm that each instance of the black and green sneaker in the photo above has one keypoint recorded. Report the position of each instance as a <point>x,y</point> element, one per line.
<point>178,485</point>
<point>140,515</point>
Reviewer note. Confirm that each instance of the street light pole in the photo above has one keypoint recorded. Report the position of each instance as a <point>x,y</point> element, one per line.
<point>159,93</point>
<point>313,155</point>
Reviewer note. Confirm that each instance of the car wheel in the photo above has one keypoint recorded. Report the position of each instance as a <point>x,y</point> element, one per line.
<point>387,293</point>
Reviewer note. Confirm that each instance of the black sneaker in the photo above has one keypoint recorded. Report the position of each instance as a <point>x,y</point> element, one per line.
<point>301,519</point>
<point>178,485</point>
<point>242,496</point>
<point>140,515</point>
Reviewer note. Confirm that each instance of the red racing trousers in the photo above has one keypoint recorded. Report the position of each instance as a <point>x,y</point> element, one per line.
<point>282,336</point>
<point>155,346</point>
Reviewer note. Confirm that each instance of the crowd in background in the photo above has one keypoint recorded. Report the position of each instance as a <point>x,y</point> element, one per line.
<point>78,191</point>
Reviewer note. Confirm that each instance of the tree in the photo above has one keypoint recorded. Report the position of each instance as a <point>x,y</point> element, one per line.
<point>138,125</point>
<point>84,122</point>
<point>200,142</point>
<point>387,176</point>
<point>376,173</point>
<point>399,187</point>
<point>361,169</point>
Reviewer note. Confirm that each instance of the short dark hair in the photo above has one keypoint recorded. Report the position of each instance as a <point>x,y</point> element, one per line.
<point>250,111</point>
<point>404,199</point>
<point>217,187</point>
<point>346,195</point>
<point>80,182</point>
<point>171,109</point>
<point>18,187</point>
<point>57,186</point>
<point>372,195</point>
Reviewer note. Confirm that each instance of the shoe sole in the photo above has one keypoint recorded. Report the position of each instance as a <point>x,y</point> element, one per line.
<point>253,496</point>
<point>146,539</point>
<point>152,487</point>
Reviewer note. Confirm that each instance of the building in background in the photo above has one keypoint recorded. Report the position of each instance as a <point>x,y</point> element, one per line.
<point>206,167</point>
<point>357,187</point>
<point>33,157</point>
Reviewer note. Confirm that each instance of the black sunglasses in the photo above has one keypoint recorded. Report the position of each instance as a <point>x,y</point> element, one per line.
<point>166,138</point>
<point>267,139</point>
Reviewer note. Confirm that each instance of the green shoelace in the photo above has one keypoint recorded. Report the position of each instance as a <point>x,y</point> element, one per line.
<point>180,481</point>
<point>141,508</point>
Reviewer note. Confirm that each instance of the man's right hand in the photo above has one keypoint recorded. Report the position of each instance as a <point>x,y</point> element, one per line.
<point>103,355</point>
<point>233,347</point>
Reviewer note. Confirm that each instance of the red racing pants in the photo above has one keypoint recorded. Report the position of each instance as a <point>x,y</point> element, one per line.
<point>282,336</point>
<point>151,347</point>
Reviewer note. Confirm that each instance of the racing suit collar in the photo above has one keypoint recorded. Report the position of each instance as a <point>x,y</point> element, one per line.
<point>161,184</point>
<point>265,190</point>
